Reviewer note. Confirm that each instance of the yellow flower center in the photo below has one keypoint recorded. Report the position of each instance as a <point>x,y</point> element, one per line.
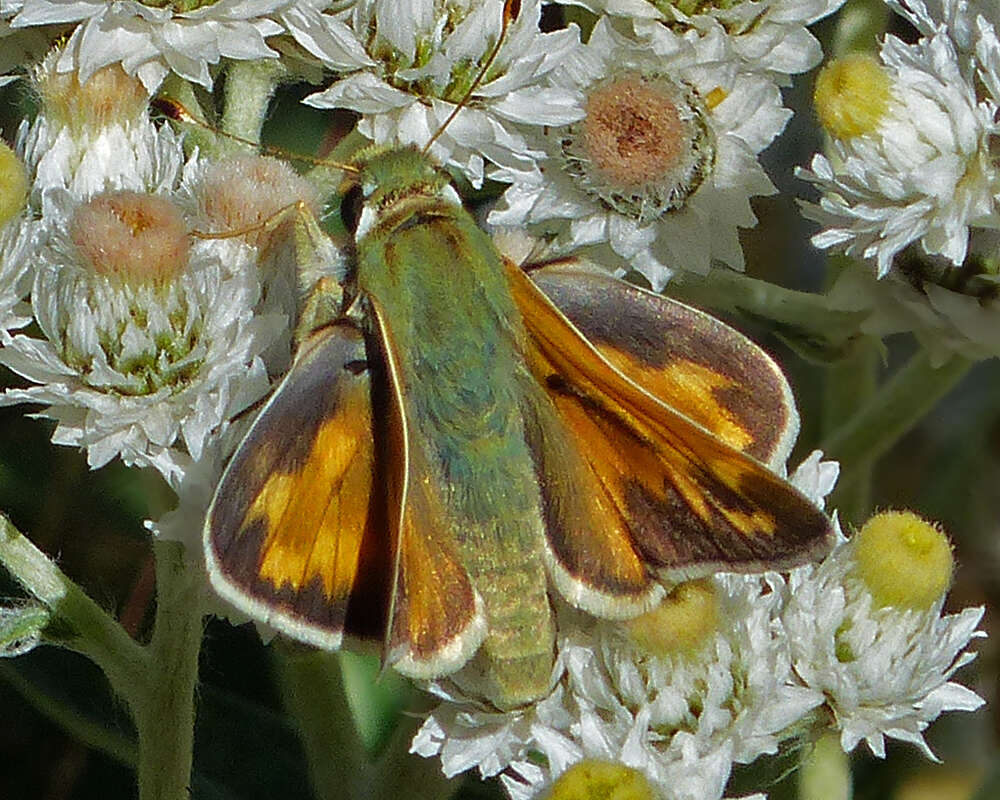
<point>686,618</point>
<point>851,95</point>
<point>601,780</point>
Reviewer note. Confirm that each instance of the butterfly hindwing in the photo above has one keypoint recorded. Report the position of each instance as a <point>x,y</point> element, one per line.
<point>685,502</point>
<point>436,617</point>
<point>296,533</point>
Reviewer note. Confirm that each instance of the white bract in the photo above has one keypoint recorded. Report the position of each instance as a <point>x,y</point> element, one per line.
<point>682,720</point>
<point>420,64</point>
<point>925,174</point>
<point>150,42</point>
<point>883,671</point>
<point>768,35</point>
<point>679,217</point>
<point>144,370</point>
<point>16,251</point>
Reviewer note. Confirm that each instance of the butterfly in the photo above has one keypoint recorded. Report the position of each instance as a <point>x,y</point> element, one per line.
<point>460,441</point>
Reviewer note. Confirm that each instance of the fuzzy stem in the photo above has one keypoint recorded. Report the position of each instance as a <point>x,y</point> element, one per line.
<point>803,318</point>
<point>164,708</point>
<point>898,405</point>
<point>77,623</point>
<point>312,687</point>
<point>859,25</point>
<point>249,88</point>
<point>825,772</point>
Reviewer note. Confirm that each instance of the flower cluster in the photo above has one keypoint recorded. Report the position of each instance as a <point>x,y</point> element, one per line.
<point>729,668</point>
<point>638,143</point>
<point>910,183</point>
<point>150,340</point>
<point>156,278</point>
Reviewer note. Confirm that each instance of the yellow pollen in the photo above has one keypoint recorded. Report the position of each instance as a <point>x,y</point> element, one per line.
<point>600,780</point>
<point>13,184</point>
<point>685,619</point>
<point>715,97</point>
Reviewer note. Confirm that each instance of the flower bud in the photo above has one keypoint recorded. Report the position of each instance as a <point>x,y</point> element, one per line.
<point>903,560</point>
<point>601,780</point>
<point>851,95</point>
<point>13,184</point>
<point>685,619</point>
<point>136,238</point>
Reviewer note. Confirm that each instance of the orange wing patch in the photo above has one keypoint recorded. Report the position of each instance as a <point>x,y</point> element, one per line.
<point>293,523</point>
<point>700,366</point>
<point>694,390</point>
<point>309,540</point>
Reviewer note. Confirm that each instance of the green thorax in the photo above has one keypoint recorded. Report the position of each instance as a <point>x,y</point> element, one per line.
<point>455,328</point>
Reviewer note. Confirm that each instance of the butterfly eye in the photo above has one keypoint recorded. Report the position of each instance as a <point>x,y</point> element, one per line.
<point>350,208</point>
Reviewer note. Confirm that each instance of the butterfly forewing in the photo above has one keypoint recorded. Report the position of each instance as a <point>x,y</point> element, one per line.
<point>297,531</point>
<point>703,368</point>
<point>687,502</point>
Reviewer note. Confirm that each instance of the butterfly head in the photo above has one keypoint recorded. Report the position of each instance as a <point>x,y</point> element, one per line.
<point>386,177</point>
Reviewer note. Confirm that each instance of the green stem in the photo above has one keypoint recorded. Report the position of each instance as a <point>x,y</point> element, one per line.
<point>848,385</point>
<point>344,704</point>
<point>825,772</point>
<point>249,88</point>
<point>898,405</point>
<point>313,691</point>
<point>157,681</point>
<point>183,91</point>
<point>803,318</point>
<point>163,708</point>
<point>859,24</point>
<point>77,623</point>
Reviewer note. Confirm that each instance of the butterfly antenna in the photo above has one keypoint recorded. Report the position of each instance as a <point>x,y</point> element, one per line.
<point>511,8</point>
<point>175,110</point>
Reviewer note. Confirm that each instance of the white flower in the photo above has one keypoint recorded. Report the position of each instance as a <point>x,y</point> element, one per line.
<point>883,671</point>
<point>925,173</point>
<point>670,186</point>
<point>957,16</point>
<point>466,734</point>
<point>945,321</point>
<point>680,719</point>
<point>94,135</point>
<point>420,64</point>
<point>145,353</point>
<point>15,276</point>
<point>815,478</point>
<point>767,35</point>
<point>150,42</point>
